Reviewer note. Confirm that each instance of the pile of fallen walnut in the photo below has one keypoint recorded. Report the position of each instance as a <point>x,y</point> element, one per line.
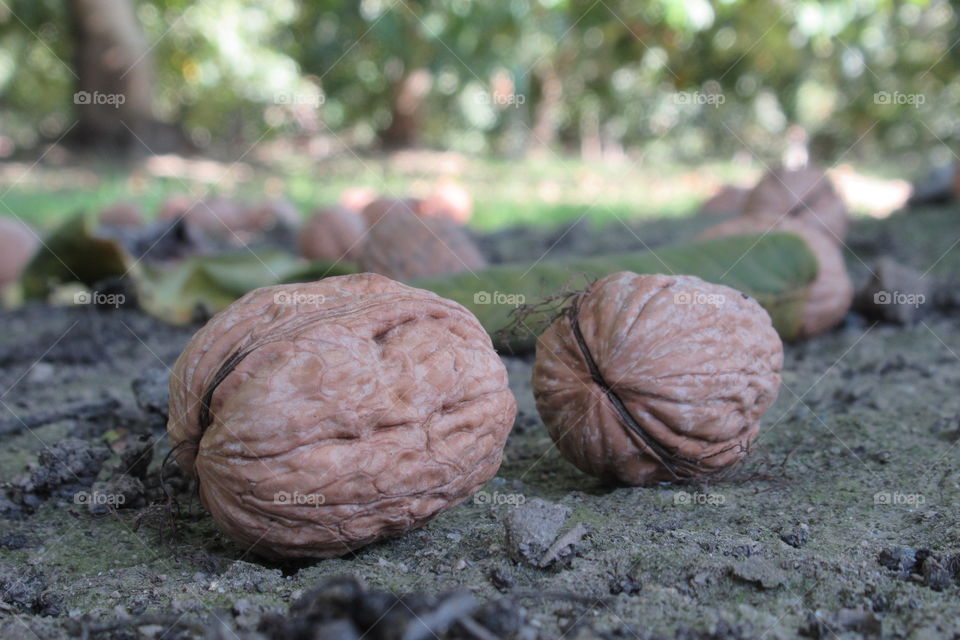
<point>318,417</point>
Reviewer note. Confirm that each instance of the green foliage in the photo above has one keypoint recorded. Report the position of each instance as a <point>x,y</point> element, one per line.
<point>650,73</point>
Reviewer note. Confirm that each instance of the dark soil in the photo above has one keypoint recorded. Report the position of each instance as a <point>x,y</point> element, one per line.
<point>843,522</point>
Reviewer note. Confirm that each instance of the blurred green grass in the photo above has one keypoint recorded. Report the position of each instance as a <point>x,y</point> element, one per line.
<point>506,193</point>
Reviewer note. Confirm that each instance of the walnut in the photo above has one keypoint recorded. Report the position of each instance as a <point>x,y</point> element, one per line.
<point>273,213</point>
<point>830,294</point>
<point>321,417</point>
<point>334,233</point>
<point>18,244</point>
<point>217,216</point>
<point>122,214</point>
<point>727,200</point>
<point>804,194</point>
<point>647,378</point>
<point>448,200</point>
<point>404,246</point>
<point>384,208</point>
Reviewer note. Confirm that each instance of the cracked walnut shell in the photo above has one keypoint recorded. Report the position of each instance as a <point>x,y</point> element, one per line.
<point>648,378</point>
<point>318,418</point>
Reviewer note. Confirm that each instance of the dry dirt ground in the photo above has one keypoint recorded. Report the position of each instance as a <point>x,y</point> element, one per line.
<point>843,522</point>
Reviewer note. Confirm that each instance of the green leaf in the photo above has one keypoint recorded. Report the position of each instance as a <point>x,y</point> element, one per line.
<point>74,252</point>
<point>175,293</point>
<point>775,269</point>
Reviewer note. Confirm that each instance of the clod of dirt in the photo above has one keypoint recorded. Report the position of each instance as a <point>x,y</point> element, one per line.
<point>501,579</point>
<point>13,541</point>
<point>759,572</point>
<point>137,457</point>
<point>533,533</point>
<point>935,570</point>
<point>625,583</point>
<point>121,492</point>
<point>823,625</point>
<point>895,293</point>
<point>343,609</point>
<point>25,590</point>
<point>61,470</point>
<point>899,559</point>
<point>152,391</point>
<point>797,537</point>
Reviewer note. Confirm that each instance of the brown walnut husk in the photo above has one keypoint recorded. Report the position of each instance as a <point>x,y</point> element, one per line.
<point>334,233</point>
<point>831,294</point>
<point>379,404</point>
<point>806,195</point>
<point>404,246</point>
<point>648,378</point>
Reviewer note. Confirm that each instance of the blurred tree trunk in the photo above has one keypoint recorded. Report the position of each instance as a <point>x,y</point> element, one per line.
<point>114,98</point>
<point>407,109</point>
<point>547,110</point>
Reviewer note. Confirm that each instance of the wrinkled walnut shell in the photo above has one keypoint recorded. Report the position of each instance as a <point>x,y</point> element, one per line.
<point>334,233</point>
<point>649,378</point>
<point>18,244</point>
<point>384,208</point>
<point>272,214</point>
<point>405,247</point>
<point>728,200</point>
<point>806,195</point>
<point>379,404</point>
<point>830,294</point>
<point>122,214</point>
